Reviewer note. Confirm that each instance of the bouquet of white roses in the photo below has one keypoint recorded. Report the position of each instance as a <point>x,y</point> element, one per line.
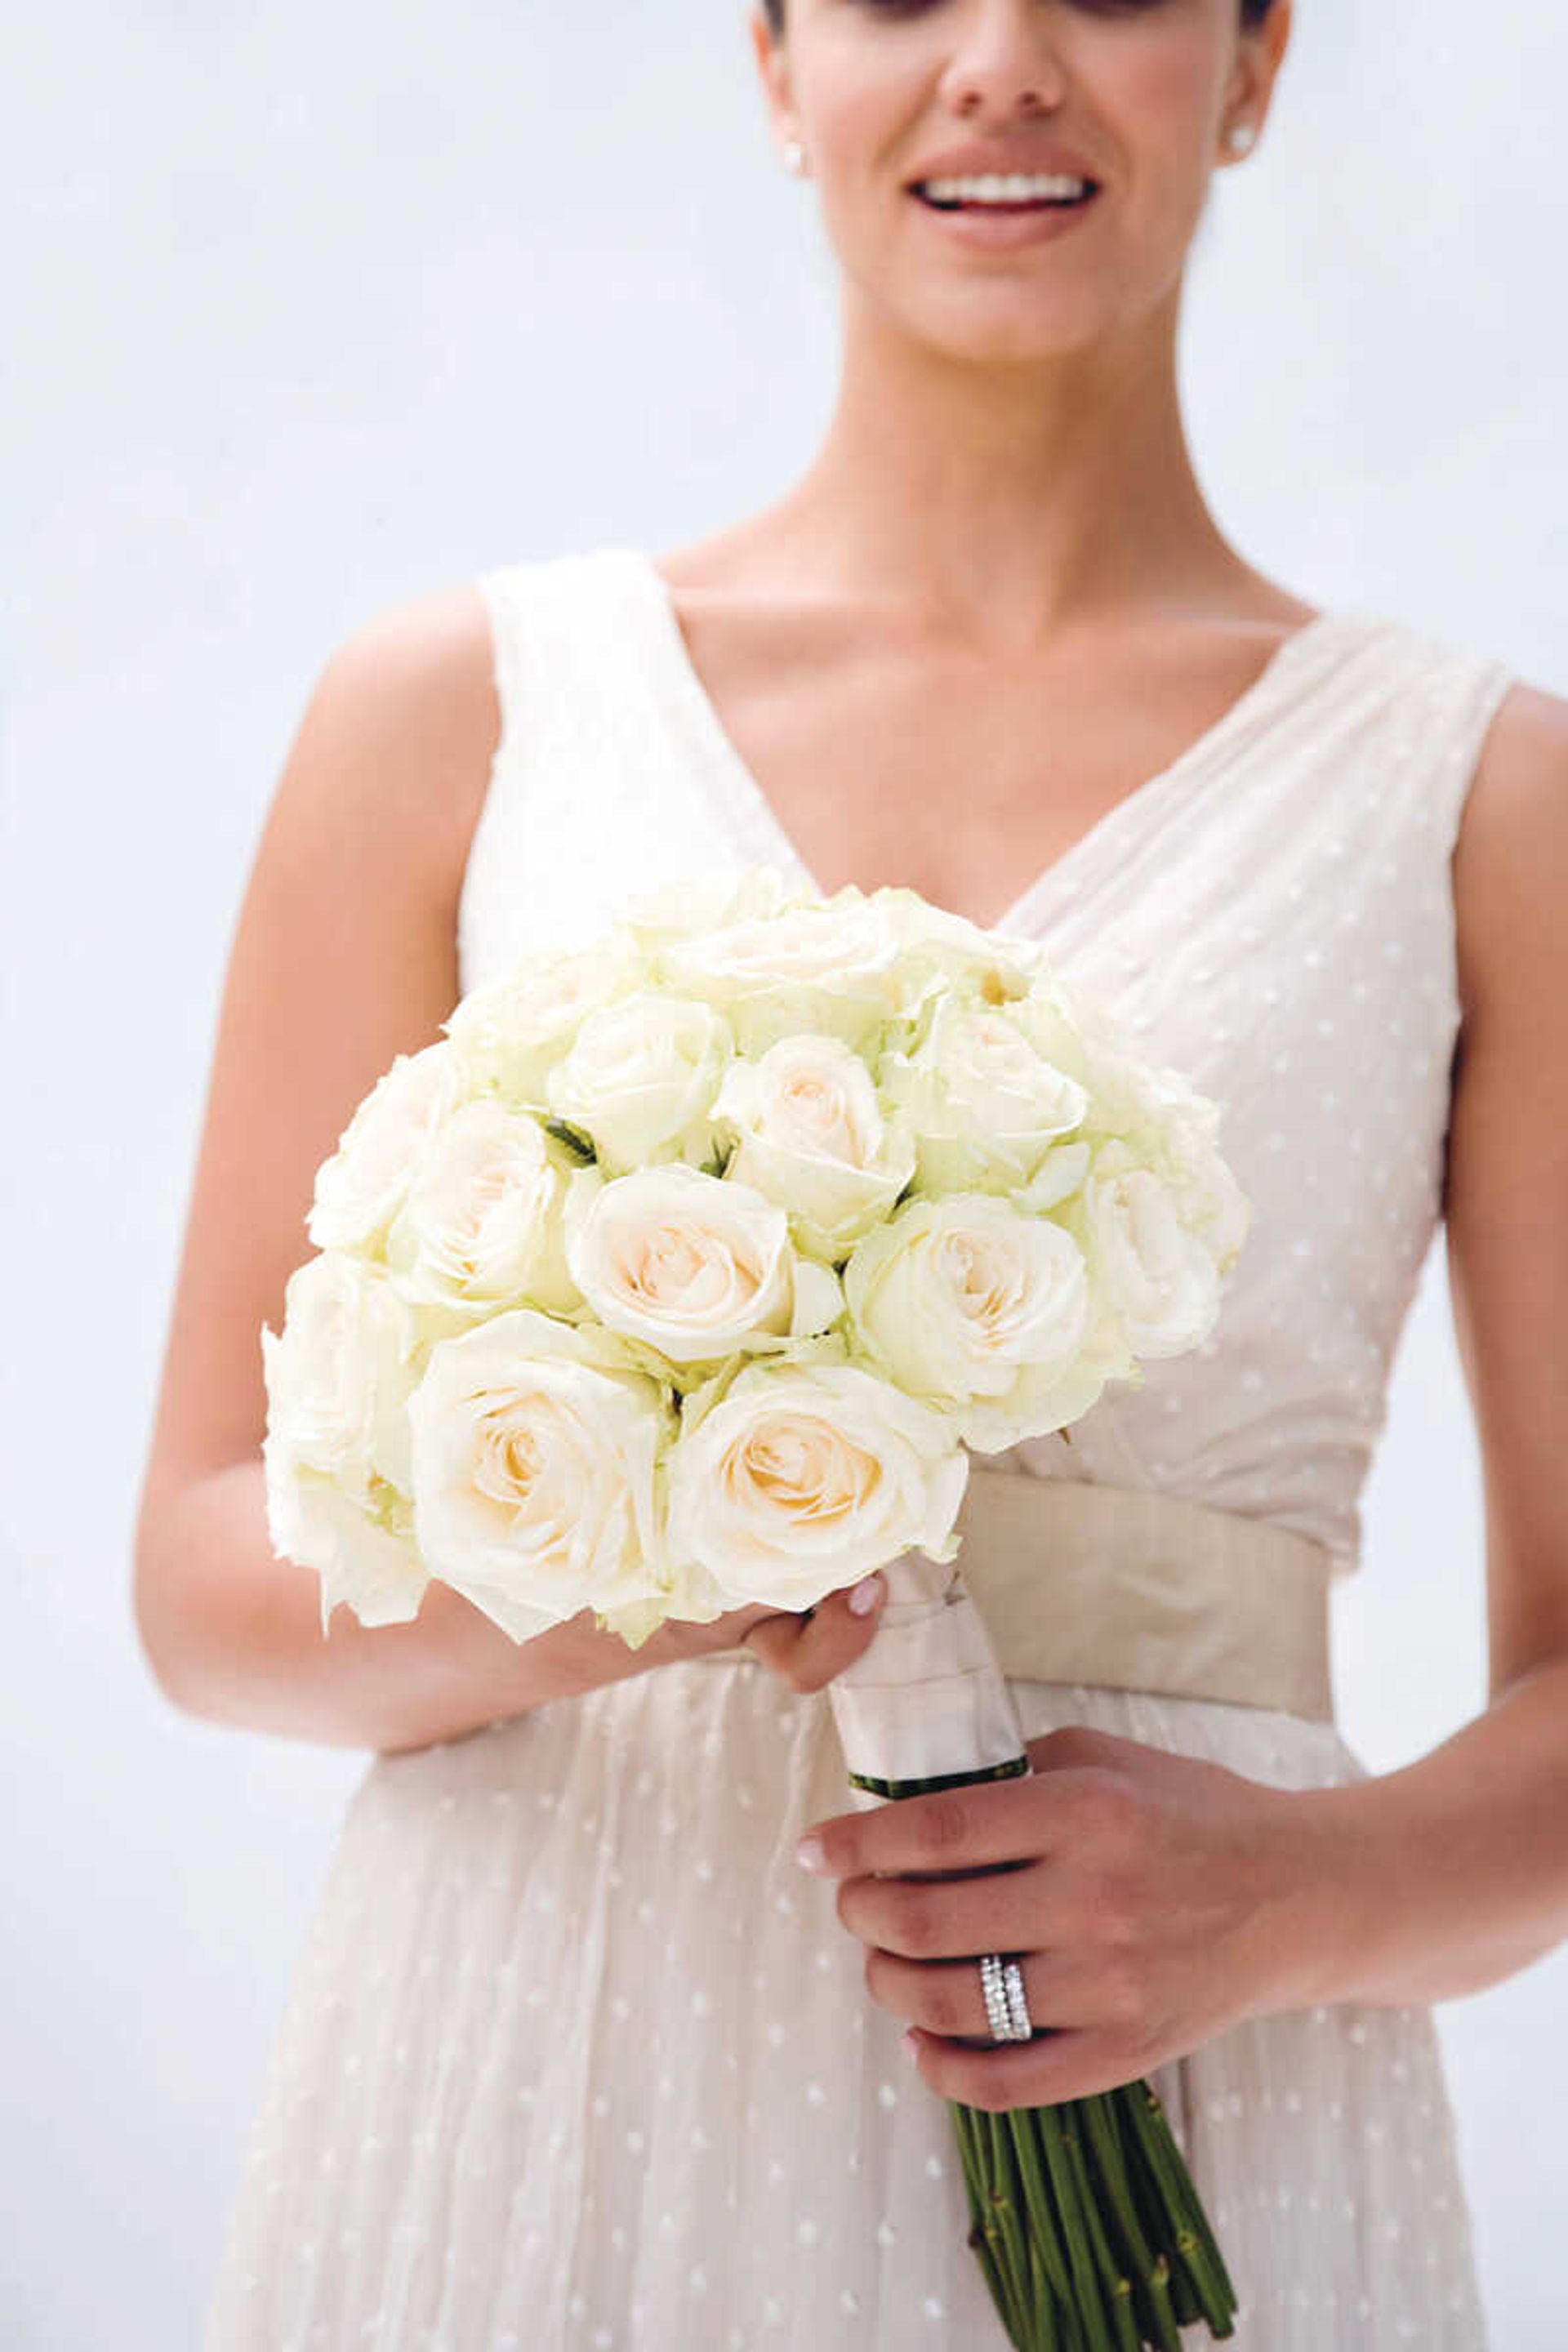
<point>681,1274</point>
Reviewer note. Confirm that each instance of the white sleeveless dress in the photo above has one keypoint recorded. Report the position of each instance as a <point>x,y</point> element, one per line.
<point>576,2056</point>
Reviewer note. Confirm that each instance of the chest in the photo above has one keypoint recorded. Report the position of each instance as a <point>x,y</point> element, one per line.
<point>882,755</point>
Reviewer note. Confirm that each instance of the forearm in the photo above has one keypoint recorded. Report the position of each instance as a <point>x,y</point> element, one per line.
<point>1451,1874</point>
<point>234,1635</point>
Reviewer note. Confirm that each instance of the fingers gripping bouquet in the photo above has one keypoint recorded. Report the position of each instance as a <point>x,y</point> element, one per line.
<point>684,1272</point>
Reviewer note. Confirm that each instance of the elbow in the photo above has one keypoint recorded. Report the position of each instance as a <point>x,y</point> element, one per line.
<point>158,1652</point>
<point>160,1635</point>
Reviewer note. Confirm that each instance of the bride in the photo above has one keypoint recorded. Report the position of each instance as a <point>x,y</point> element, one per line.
<point>576,2055</point>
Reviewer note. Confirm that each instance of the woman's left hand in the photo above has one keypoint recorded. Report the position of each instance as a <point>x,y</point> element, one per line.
<point>1151,1901</point>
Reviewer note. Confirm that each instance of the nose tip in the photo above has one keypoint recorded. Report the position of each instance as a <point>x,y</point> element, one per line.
<point>1008,58</point>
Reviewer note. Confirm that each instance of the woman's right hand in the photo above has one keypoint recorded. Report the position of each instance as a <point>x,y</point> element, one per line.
<point>804,1648</point>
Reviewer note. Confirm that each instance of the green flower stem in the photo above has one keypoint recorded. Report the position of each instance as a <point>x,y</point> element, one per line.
<point>1179,2239</point>
<point>1045,2336</point>
<point>1196,2243</point>
<point>1098,2116</point>
<point>1184,2301</point>
<point>1050,2189</point>
<point>1164,2311</point>
<point>1157,2223</point>
<point>1007,2199</point>
<point>982,2229</point>
<point>1045,2216</point>
<point>1064,2329</point>
<point>1086,2296</point>
<point>1195,2248</point>
<point>1014,2318</point>
<point>1115,2284</point>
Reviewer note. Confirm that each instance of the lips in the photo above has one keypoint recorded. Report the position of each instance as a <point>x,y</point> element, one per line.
<point>1005,157</point>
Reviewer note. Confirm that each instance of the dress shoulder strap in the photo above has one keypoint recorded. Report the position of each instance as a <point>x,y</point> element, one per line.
<point>593,795</point>
<point>547,637</point>
<point>1420,707</point>
<point>546,616</point>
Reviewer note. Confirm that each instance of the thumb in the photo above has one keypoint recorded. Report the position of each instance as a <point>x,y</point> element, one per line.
<point>808,1648</point>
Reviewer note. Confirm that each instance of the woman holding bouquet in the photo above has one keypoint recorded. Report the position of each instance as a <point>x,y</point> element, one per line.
<point>578,2055</point>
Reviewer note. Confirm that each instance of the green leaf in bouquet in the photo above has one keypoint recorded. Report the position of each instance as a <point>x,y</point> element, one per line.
<point>582,1147</point>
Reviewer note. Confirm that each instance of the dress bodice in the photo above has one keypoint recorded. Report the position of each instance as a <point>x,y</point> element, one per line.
<point>1272,914</point>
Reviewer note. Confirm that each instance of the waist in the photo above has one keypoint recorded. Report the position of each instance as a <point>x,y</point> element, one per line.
<point>1136,1589</point>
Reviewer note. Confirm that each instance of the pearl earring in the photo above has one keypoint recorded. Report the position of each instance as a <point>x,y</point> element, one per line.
<point>1240,137</point>
<point>794,155</point>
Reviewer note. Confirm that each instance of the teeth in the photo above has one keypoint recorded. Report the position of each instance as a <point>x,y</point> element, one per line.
<point>993,188</point>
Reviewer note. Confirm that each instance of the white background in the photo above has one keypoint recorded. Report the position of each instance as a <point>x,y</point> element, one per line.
<point>307,312</point>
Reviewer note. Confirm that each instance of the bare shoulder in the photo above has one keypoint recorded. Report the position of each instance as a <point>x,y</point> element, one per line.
<point>407,702</point>
<point>1512,853</point>
<point>343,956</point>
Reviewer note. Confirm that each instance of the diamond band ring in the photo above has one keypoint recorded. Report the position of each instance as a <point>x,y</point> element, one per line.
<point>1001,1982</point>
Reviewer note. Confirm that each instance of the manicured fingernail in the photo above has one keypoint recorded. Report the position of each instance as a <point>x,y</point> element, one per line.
<point>865,1595</point>
<point>810,1853</point>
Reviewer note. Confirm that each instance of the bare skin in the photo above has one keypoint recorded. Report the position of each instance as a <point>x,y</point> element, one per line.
<point>352,903</point>
<point>999,567</point>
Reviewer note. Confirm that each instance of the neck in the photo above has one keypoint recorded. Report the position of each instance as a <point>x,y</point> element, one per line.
<point>1009,499</point>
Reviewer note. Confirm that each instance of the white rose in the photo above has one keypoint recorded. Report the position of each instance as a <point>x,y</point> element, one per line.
<point>984,1103</point>
<point>364,1553</point>
<point>337,1466</point>
<point>1156,1111</point>
<point>690,1264</point>
<point>641,1075</point>
<point>943,952</point>
<point>1080,1038</point>
<point>1177,1131</point>
<point>535,1451</point>
<point>673,910</point>
<point>806,1475</point>
<point>1156,1276</point>
<point>829,965</point>
<point>1059,1175</point>
<point>1212,1204</point>
<point>509,1032</point>
<point>811,1138</point>
<point>984,1312</point>
<point>360,1187</point>
<point>481,1225</point>
<point>339,1367</point>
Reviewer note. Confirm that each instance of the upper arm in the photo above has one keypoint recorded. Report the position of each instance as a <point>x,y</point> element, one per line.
<point>1507,1183</point>
<point>344,955</point>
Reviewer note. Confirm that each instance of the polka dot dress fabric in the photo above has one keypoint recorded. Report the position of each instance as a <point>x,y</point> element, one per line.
<point>576,2057</point>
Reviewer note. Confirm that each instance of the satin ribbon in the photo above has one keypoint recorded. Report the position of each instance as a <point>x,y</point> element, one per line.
<point>1136,1589</point>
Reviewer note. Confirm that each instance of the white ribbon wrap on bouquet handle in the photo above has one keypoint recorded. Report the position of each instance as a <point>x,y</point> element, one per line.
<point>926,1697</point>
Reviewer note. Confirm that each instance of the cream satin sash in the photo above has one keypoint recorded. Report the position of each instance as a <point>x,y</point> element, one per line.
<point>1141,1590</point>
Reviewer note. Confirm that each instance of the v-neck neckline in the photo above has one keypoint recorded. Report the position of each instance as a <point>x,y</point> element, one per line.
<point>746,799</point>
